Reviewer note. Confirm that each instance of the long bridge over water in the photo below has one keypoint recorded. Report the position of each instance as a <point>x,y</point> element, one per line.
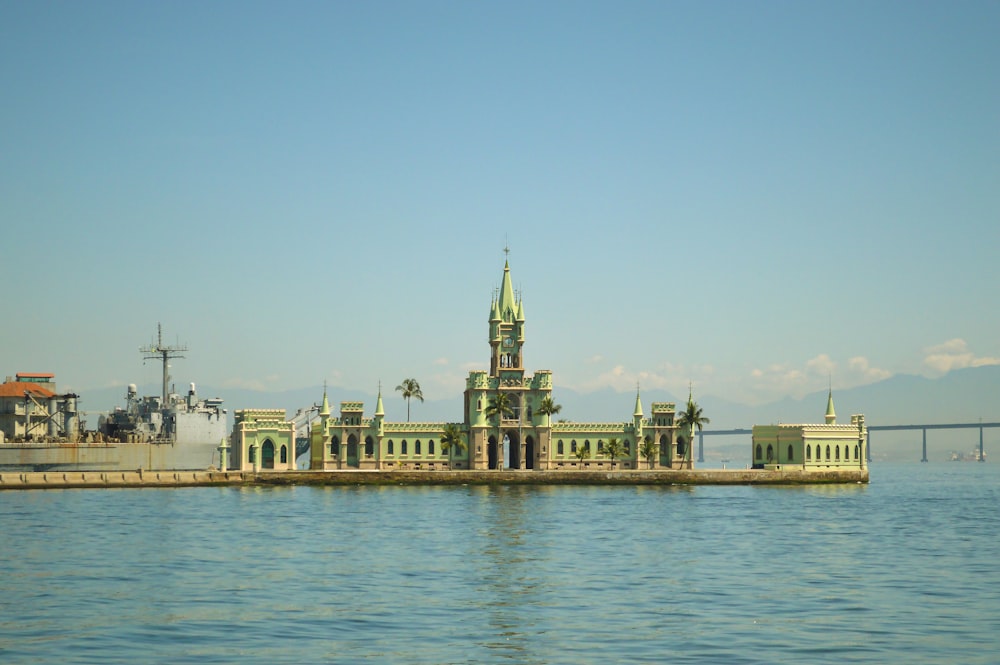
<point>871,428</point>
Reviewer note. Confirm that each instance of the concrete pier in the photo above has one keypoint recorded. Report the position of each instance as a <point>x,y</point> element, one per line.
<point>135,479</point>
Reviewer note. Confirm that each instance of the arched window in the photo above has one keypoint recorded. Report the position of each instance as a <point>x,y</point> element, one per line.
<point>369,446</point>
<point>770,453</point>
<point>586,444</point>
<point>416,447</point>
<point>559,447</point>
<point>389,447</point>
<point>252,455</point>
<point>402,447</point>
<point>809,453</point>
<point>334,446</point>
<point>572,446</point>
<point>827,453</point>
<point>791,453</point>
<point>284,454</point>
<point>681,446</point>
<point>760,452</point>
<point>628,447</point>
<point>857,452</point>
<point>430,447</point>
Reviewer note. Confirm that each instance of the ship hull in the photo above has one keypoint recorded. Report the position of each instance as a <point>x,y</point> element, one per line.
<point>109,456</point>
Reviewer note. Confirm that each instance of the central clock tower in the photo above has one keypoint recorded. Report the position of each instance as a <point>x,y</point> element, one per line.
<point>507,332</point>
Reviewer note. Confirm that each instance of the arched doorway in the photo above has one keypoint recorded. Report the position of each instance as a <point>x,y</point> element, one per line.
<point>267,454</point>
<point>512,449</point>
<point>491,453</point>
<point>352,451</point>
<point>529,452</point>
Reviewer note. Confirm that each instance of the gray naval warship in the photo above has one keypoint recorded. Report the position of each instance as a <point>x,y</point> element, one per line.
<point>166,432</point>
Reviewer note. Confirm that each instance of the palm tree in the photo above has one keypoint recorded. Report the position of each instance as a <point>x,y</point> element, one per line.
<point>614,448</point>
<point>548,407</point>
<point>451,439</point>
<point>582,453</point>
<point>410,388</point>
<point>649,449</point>
<point>690,418</point>
<point>502,407</point>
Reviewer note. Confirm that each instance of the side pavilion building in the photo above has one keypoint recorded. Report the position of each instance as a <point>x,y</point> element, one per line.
<point>817,447</point>
<point>526,438</point>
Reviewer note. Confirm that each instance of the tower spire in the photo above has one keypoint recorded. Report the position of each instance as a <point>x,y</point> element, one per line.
<point>831,415</point>
<point>325,409</point>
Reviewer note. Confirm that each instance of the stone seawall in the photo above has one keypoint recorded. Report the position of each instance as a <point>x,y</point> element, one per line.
<point>99,479</point>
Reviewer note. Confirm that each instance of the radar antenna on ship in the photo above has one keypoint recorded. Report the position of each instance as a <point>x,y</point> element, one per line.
<point>164,353</point>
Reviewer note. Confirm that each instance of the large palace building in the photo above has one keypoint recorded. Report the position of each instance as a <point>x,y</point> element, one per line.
<point>521,436</point>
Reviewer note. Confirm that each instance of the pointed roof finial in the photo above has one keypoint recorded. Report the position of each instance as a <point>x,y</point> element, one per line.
<point>379,409</point>
<point>831,415</point>
<point>325,409</point>
<point>638,402</point>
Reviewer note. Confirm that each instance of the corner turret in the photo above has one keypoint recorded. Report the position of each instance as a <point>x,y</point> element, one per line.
<point>831,415</point>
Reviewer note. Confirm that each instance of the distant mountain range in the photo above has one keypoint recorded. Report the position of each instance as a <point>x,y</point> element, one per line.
<point>965,395</point>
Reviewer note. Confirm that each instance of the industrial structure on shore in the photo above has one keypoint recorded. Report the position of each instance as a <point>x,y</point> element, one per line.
<point>40,430</point>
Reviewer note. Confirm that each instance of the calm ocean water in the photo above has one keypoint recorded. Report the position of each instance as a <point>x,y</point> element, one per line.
<point>904,570</point>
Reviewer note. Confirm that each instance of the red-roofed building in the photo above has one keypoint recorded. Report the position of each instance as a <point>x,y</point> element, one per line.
<point>30,407</point>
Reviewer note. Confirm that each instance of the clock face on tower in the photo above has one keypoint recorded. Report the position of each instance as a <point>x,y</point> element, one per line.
<point>508,341</point>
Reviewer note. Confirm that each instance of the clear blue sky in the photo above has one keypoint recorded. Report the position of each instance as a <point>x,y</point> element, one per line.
<point>751,196</point>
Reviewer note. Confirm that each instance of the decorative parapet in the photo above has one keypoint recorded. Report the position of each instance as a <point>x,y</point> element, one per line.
<point>260,416</point>
<point>591,428</point>
<point>663,407</point>
<point>478,379</point>
<point>406,428</point>
<point>352,406</point>
<point>542,380</point>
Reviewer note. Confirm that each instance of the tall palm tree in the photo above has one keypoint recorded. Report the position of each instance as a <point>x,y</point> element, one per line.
<point>548,407</point>
<point>649,449</point>
<point>451,440</point>
<point>410,389</point>
<point>614,448</point>
<point>502,407</point>
<point>690,418</point>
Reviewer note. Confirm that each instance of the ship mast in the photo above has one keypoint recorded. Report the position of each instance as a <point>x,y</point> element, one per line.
<point>164,353</point>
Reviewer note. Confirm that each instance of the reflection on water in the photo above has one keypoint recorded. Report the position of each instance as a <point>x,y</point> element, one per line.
<point>899,571</point>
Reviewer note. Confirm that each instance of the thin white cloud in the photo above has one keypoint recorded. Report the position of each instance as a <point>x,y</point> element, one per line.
<point>594,359</point>
<point>786,379</point>
<point>860,367</point>
<point>440,361</point>
<point>954,354</point>
<point>821,365</point>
